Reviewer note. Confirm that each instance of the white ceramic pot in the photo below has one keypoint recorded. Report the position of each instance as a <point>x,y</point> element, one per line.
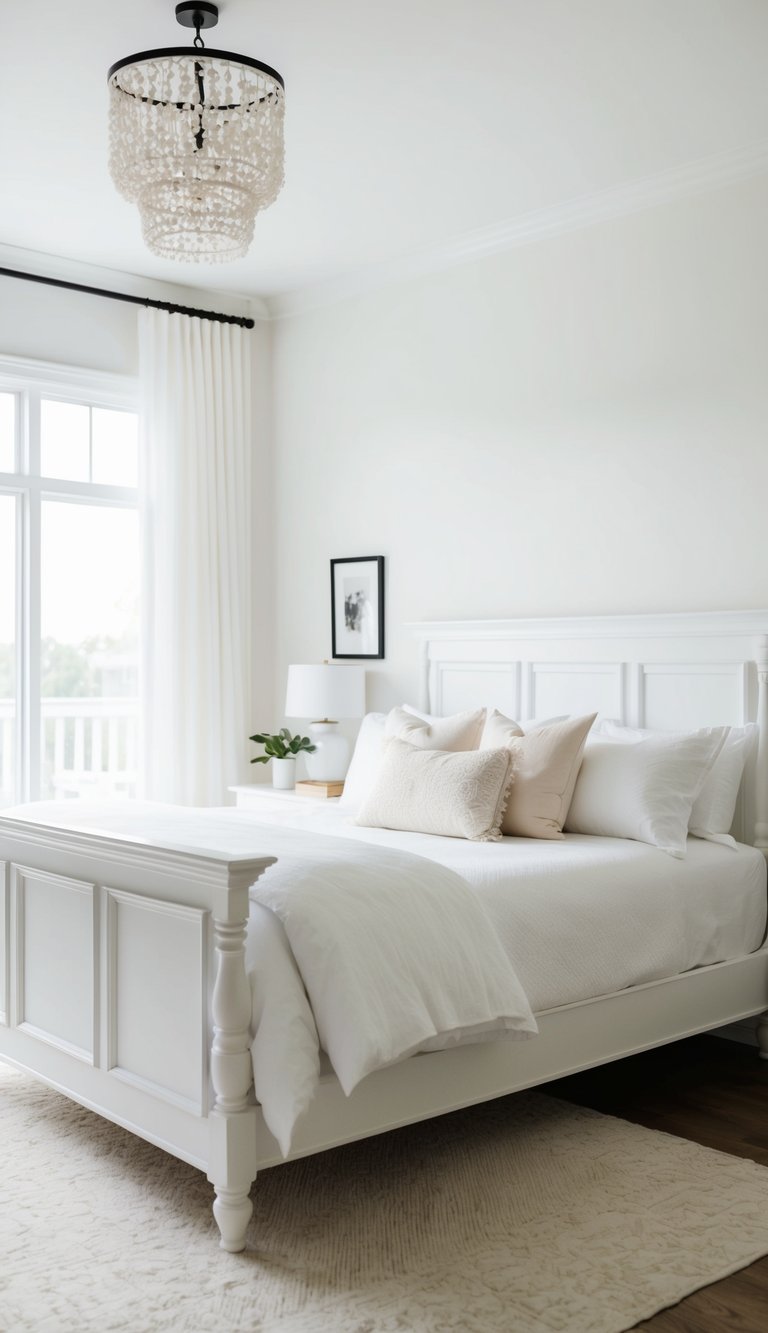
<point>284,774</point>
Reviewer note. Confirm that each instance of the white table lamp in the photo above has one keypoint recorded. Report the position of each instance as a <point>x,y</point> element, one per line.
<point>325,693</point>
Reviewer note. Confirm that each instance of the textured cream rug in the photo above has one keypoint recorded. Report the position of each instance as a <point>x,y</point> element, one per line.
<point>526,1215</point>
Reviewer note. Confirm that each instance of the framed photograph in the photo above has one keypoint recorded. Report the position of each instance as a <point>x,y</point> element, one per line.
<point>357,606</point>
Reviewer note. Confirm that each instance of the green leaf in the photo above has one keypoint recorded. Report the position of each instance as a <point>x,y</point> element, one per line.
<point>261,759</point>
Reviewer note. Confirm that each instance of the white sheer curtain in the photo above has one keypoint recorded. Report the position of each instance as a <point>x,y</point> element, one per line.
<point>197,468</point>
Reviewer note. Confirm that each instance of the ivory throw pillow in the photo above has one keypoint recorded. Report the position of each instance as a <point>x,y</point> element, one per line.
<point>643,789</point>
<point>455,795</point>
<point>715,805</point>
<point>461,731</point>
<point>547,766</point>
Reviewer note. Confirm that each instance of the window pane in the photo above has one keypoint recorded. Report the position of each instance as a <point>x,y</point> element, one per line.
<point>65,440</point>
<point>7,650</point>
<point>7,432</point>
<point>115,447</point>
<point>89,649</point>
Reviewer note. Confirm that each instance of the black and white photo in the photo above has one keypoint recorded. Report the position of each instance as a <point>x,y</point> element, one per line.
<point>357,606</point>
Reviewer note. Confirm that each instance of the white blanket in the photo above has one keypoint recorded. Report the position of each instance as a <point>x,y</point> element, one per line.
<point>395,952</point>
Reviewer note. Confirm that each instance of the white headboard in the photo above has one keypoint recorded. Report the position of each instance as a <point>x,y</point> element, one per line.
<point>668,672</point>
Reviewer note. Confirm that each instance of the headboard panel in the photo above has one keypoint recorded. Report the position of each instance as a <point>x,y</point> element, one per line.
<point>667,672</point>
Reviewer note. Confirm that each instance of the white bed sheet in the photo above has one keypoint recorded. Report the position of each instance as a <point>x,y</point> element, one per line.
<point>588,915</point>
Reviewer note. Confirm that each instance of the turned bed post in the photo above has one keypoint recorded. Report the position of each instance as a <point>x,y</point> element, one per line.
<point>232,1163</point>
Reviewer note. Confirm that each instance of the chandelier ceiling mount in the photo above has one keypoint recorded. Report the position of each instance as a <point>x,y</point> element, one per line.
<point>197,14</point>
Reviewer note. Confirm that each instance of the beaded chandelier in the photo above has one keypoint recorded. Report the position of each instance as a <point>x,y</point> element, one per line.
<point>196,140</point>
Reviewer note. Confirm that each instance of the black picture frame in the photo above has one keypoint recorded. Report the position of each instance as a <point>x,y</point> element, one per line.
<point>357,607</point>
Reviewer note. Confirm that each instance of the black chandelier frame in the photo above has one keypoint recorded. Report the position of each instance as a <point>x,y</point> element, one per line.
<point>197,14</point>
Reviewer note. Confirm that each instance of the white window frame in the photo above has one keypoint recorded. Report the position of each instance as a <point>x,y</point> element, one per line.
<point>33,381</point>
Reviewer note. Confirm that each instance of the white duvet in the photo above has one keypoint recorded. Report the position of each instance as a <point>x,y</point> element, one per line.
<point>396,954</point>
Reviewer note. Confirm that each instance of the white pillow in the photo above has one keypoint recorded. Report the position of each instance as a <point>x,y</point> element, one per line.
<point>714,807</point>
<point>456,795</point>
<point>364,765</point>
<point>643,789</point>
<point>461,731</point>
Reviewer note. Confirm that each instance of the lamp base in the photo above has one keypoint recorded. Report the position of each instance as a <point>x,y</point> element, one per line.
<point>330,761</point>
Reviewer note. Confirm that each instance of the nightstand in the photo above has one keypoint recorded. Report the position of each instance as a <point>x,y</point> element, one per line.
<point>258,795</point>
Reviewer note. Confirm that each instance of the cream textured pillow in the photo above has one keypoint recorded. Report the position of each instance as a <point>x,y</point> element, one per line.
<point>462,731</point>
<point>455,795</point>
<point>548,762</point>
<point>643,789</point>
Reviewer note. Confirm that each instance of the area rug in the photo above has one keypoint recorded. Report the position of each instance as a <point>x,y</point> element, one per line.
<point>526,1215</point>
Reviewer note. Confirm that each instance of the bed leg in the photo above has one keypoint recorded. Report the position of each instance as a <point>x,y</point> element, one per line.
<point>762,1035</point>
<point>232,1165</point>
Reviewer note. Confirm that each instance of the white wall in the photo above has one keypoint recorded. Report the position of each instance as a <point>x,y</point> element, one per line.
<point>577,426</point>
<point>49,324</point>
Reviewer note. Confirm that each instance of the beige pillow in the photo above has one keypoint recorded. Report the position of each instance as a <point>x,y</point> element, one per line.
<point>548,763</point>
<point>455,795</point>
<point>462,731</point>
<point>499,730</point>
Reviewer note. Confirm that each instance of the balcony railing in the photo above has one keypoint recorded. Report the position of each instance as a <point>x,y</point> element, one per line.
<point>89,748</point>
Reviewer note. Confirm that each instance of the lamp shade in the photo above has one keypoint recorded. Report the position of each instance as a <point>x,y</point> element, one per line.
<point>327,691</point>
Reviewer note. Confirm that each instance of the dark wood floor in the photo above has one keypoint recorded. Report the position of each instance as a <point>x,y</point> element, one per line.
<point>714,1092</point>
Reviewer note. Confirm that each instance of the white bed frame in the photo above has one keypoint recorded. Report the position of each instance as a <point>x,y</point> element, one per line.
<point>122,964</point>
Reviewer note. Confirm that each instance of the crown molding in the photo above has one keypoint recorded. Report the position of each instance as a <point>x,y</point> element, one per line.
<point>616,201</point>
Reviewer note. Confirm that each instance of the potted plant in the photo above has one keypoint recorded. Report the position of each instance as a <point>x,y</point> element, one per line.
<point>282,750</point>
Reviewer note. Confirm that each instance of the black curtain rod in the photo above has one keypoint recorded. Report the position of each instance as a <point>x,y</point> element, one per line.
<point>172,309</point>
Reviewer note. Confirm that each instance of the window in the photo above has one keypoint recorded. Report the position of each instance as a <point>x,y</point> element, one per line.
<point>69,585</point>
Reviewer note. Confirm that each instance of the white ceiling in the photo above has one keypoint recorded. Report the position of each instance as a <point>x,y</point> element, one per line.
<point>409,123</point>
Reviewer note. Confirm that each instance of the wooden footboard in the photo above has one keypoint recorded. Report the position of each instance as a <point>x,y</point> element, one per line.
<point>123,984</point>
